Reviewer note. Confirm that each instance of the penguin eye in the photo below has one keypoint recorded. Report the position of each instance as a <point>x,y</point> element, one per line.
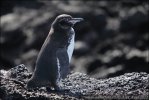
<point>63,22</point>
<point>68,18</point>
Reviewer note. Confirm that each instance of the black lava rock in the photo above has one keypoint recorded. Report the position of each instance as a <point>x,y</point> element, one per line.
<point>79,86</point>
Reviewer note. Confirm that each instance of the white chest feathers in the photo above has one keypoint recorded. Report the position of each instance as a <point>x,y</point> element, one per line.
<point>71,46</point>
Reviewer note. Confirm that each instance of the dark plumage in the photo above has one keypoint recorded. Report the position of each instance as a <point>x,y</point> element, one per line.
<point>54,57</point>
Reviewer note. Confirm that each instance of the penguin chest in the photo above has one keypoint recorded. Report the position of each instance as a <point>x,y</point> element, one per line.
<point>62,62</point>
<point>71,47</point>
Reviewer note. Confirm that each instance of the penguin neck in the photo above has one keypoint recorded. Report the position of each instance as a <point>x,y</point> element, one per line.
<point>62,37</point>
<point>63,34</point>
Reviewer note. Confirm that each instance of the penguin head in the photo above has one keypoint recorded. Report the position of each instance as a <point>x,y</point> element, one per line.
<point>65,21</point>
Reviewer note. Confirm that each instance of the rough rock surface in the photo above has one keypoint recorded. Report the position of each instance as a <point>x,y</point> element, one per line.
<point>79,86</point>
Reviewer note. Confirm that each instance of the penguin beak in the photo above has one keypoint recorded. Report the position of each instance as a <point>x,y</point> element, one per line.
<point>75,20</point>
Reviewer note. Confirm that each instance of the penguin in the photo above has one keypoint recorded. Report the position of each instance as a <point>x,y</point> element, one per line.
<point>53,60</point>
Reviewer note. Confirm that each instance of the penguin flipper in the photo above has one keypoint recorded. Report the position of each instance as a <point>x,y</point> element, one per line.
<point>63,58</point>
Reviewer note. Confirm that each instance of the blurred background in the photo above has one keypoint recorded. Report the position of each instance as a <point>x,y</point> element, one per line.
<point>112,39</point>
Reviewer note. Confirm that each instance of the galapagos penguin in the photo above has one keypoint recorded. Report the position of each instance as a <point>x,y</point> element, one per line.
<point>53,60</point>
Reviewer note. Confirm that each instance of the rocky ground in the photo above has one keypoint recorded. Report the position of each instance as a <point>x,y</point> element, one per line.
<point>78,86</point>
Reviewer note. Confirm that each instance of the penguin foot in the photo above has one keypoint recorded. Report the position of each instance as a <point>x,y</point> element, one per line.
<point>50,89</point>
<point>56,90</point>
